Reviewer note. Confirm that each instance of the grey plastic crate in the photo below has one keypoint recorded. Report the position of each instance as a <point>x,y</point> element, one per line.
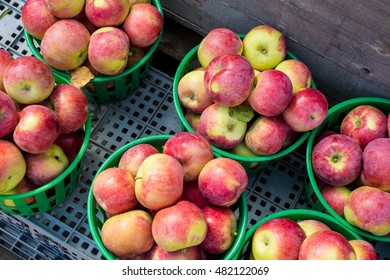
<point>63,233</point>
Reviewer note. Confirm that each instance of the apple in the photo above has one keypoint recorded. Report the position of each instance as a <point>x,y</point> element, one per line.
<point>243,150</point>
<point>221,229</point>
<point>179,226</point>
<point>190,253</point>
<point>376,164</point>
<point>159,181</point>
<point>364,250</point>
<point>8,114</point>
<point>222,181</point>
<point>64,45</point>
<point>310,226</point>
<point>114,190</point>
<point>337,160</point>
<point>37,18</point>
<point>228,79</point>
<point>82,18</point>
<point>336,196</point>
<point>133,2</point>
<point>135,55</point>
<point>264,47</point>
<point>291,136</point>
<point>70,143</point>
<point>364,123</point>
<point>28,80</point>
<point>297,71</point>
<point>24,186</point>
<point>5,59</point>
<point>45,167</point>
<point>192,150</point>
<point>134,156</point>
<point>326,245</point>
<point>193,119</point>
<point>37,129</point>
<point>103,13</point>
<point>306,110</point>
<point>65,8</point>
<point>12,166</point>
<point>143,25</point>
<point>322,135</point>
<point>128,234</point>
<point>266,135</point>
<point>109,59</point>
<point>192,92</point>
<point>368,208</point>
<point>271,94</point>
<point>277,239</point>
<point>218,41</point>
<point>220,128</point>
<point>191,192</point>
<point>71,106</point>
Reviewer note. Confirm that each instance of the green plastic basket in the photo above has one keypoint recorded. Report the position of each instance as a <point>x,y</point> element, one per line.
<point>109,89</point>
<point>244,251</point>
<point>251,164</point>
<point>53,193</point>
<point>332,122</point>
<point>96,215</point>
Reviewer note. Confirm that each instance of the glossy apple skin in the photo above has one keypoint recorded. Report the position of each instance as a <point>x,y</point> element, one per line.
<point>102,13</point>
<point>37,18</point>
<point>65,8</point>
<point>368,208</point>
<point>310,226</point>
<point>337,160</point>
<point>179,226</point>
<point>128,234</point>
<point>272,93</point>
<point>376,166</point>
<point>134,156</point>
<point>221,229</point>
<point>189,253</point>
<point>12,166</point>
<point>64,45</point>
<point>28,80</point>
<point>109,59</point>
<point>222,181</point>
<point>143,25</point>
<point>70,143</point>
<point>37,129</point>
<point>306,110</point>
<point>326,245</point>
<point>8,114</point>
<point>45,167</point>
<point>114,190</point>
<point>218,41</point>
<point>297,71</point>
<point>266,135</point>
<point>5,59</point>
<point>277,239</point>
<point>228,79</point>
<point>364,124</point>
<point>159,181</point>
<point>192,150</point>
<point>336,196</point>
<point>364,250</point>
<point>191,192</point>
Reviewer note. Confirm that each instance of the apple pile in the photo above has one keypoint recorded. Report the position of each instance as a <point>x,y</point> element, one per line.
<point>246,97</point>
<point>351,165</point>
<point>173,204</point>
<point>106,36</point>
<point>306,239</point>
<point>41,124</point>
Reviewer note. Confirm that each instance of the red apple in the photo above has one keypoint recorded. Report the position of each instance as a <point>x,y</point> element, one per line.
<point>71,143</point>
<point>306,110</point>
<point>114,190</point>
<point>218,41</point>
<point>192,119</point>
<point>364,123</point>
<point>222,181</point>
<point>8,115</point>
<point>37,129</point>
<point>65,8</point>
<point>24,186</point>
<point>337,160</point>
<point>192,150</point>
<point>189,253</point>
<point>135,55</point>
<point>103,13</point>
<point>82,18</point>
<point>310,226</point>
<point>143,25</point>
<point>364,250</point>
<point>228,79</point>
<point>12,166</point>
<point>191,192</point>
<point>271,94</point>
<point>297,71</point>
<point>5,59</point>
<point>336,196</point>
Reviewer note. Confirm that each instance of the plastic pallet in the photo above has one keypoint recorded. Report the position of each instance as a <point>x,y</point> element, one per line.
<point>63,233</point>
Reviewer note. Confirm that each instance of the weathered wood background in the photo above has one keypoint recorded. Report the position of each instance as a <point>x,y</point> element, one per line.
<point>346,44</point>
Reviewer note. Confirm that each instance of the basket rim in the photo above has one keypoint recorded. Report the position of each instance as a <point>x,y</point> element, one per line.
<point>190,55</point>
<point>313,185</point>
<point>65,74</point>
<point>92,205</point>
